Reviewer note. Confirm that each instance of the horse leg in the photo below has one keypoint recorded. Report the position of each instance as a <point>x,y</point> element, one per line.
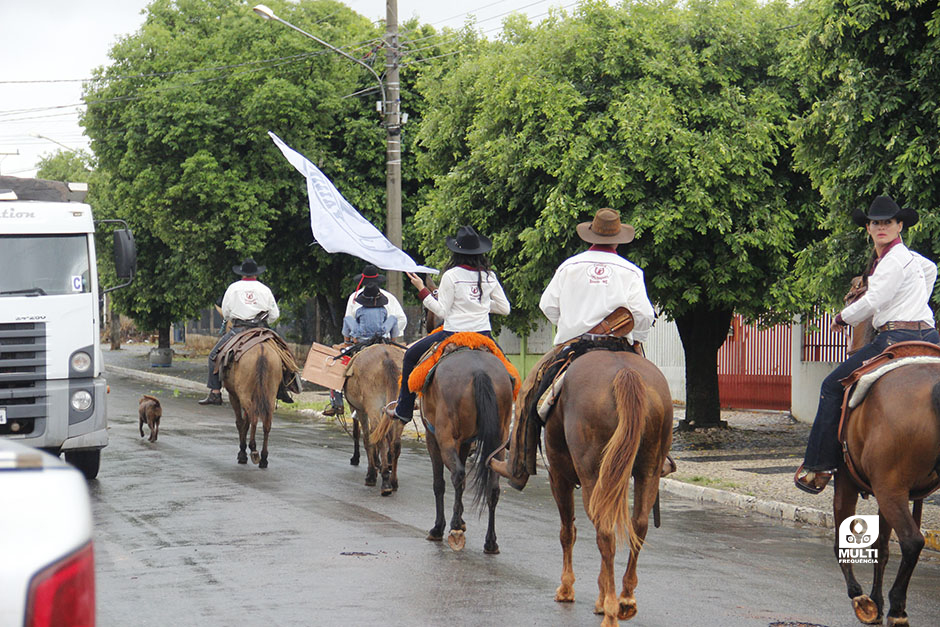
<point>563,492</point>
<point>607,602</point>
<point>490,545</point>
<point>354,460</point>
<point>266,429</point>
<point>877,582</point>
<point>395,454</point>
<point>252,443</point>
<point>242,425</point>
<point>458,476</point>
<point>645,493</point>
<point>385,464</point>
<point>372,471</point>
<point>894,508</point>
<point>844,501</point>
<point>436,534</point>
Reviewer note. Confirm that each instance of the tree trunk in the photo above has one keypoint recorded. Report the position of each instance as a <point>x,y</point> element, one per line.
<point>703,331</point>
<point>115,327</point>
<point>164,336</point>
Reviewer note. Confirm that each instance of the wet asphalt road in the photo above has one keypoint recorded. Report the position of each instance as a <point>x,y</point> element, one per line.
<point>185,536</point>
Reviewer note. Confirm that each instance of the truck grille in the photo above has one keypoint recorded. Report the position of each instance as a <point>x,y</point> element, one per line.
<point>22,375</point>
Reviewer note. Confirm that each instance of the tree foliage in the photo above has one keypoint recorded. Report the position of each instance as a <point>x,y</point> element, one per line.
<point>870,68</point>
<point>69,166</point>
<point>675,113</point>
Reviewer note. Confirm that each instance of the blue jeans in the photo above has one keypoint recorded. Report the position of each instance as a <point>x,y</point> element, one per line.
<point>406,398</point>
<point>823,451</point>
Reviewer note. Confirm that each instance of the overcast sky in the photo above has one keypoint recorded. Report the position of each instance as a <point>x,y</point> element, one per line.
<point>48,46</point>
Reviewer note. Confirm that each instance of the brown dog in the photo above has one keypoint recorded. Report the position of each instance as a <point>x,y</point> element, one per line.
<point>150,412</point>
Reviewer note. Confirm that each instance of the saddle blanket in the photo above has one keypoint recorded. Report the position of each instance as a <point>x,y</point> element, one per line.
<point>470,340</point>
<point>867,380</point>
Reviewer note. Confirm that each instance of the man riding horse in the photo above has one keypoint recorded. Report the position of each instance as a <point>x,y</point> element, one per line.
<point>594,293</point>
<point>247,303</point>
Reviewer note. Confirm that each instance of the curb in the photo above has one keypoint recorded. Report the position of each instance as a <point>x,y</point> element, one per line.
<point>700,494</point>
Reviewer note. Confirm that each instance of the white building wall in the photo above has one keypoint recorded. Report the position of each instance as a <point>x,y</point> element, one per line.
<point>664,348</point>
<point>806,381</point>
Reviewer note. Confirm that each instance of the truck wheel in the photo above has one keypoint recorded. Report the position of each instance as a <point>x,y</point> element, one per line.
<point>87,461</point>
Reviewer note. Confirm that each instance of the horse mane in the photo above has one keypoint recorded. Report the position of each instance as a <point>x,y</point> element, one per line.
<point>609,508</point>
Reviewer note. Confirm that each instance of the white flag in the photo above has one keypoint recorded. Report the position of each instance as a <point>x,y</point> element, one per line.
<point>338,227</point>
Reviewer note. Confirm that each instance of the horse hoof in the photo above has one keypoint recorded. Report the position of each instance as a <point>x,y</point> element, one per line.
<point>370,481</point>
<point>627,609</point>
<point>866,610</point>
<point>255,457</point>
<point>564,594</point>
<point>456,539</point>
<point>263,463</point>
<point>387,491</point>
<point>897,621</point>
<point>493,550</point>
<point>353,461</point>
<point>242,458</point>
<point>434,537</point>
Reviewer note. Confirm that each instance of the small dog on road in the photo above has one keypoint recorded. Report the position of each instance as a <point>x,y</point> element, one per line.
<point>150,412</point>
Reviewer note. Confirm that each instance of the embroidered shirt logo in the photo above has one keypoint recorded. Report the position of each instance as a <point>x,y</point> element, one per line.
<point>599,273</point>
<point>250,298</point>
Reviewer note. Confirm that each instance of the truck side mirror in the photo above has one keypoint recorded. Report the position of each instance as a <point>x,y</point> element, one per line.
<point>125,254</point>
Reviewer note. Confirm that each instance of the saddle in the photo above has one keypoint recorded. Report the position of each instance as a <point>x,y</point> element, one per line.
<point>423,372</point>
<point>240,343</point>
<point>860,381</point>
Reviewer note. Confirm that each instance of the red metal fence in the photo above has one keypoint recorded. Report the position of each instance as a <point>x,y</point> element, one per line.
<point>754,366</point>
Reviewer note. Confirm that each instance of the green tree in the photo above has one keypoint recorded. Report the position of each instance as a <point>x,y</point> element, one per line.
<point>179,122</point>
<point>874,128</point>
<point>71,166</point>
<point>674,113</point>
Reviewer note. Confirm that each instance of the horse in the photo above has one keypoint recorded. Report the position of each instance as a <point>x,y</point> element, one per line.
<point>892,441</point>
<point>372,383</point>
<point>252,382</point>
<point>612,419</point>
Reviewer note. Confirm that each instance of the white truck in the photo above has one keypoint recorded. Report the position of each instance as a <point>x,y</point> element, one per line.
<point>52,393</point>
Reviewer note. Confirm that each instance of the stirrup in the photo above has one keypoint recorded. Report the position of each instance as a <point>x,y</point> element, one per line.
<point>812,481</point>
<point>391,413</point>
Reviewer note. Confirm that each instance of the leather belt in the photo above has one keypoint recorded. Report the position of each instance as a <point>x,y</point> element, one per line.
<point>895,325</point>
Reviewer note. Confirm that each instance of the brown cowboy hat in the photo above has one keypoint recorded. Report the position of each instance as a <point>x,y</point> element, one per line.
<point>884,208</point>
<point>606,228</point>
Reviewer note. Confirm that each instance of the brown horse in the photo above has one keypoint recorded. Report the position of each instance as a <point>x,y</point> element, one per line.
<point>372,383</point>
<point>612,420</point>
<point>893,439</point>
<point>252,384</point>
<point>468,398</point>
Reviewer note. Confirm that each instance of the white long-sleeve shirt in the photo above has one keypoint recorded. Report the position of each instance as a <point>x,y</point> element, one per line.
<point>462,304</point>
<point>587,287</point>
<point>392,308</point>
<point>898,290</point>
<point>247,298</point>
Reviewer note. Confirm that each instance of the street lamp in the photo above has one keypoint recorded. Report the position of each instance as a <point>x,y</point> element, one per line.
<point>53,141</point>
<point>390,107</point>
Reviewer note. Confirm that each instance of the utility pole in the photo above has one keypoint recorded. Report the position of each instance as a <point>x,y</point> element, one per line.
<point>393,140</point>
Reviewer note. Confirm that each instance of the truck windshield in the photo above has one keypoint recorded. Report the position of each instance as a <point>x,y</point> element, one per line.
<point>37,265</point>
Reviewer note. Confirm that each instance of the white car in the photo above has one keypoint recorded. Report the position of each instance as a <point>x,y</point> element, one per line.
<point>47,567</point>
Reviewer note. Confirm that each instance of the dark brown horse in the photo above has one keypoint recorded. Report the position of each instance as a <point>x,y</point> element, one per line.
<point>252,384</point>
<point>893,439</point>
<point>467,399</point>
<point>612,420</point>
<point>372,383</point>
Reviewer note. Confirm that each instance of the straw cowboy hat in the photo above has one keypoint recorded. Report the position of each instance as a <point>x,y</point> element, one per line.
<point>248,268</point>
<point>468,242</point>
<point>370,296</point>
<point>884,208</point>
<point>606,228</point>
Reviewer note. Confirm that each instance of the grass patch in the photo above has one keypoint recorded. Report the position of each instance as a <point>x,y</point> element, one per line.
<point>709,482</point>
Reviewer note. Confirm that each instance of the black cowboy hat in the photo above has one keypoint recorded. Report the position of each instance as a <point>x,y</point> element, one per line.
<point>884,208</point>
<point>469,242</point>
<point>606,228</point>
<point>248,268</point>
<point>370,296</point>
<point>370,274</point>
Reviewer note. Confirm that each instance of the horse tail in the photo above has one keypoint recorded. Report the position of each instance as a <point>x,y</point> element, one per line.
<point>609,508</point>
<point>384,423</point>
<point>260,403</point>
<point>489,435</point>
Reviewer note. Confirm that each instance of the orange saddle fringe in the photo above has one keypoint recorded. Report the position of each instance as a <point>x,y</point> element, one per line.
<point>470,340</point>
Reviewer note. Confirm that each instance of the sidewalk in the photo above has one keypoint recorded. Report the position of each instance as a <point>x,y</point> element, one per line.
<point>749,465</point>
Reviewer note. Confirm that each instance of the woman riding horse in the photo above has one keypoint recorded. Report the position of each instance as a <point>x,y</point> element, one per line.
<point>900,283</point>
<point>468,293</point>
